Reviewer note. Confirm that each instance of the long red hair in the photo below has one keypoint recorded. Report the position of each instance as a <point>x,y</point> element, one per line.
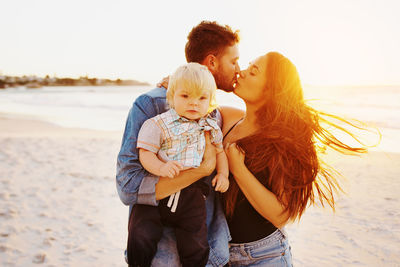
<point>286,144</point>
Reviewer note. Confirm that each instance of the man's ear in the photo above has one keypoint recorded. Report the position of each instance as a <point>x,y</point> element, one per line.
<point>211,62</point>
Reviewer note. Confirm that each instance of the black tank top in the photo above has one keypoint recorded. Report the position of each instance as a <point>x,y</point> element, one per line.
<point>246,224</point>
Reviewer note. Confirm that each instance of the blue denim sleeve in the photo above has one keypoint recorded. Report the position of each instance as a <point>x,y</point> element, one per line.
<point>134,183</point>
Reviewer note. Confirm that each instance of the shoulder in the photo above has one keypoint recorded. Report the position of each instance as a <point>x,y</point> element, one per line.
<point>150,127</point>
<point>151,103</point>
<point>158,93</point>
<point>230,116</point>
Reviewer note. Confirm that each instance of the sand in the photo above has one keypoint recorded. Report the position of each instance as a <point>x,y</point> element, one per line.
<point>59,206</point>
<point>365,229</point>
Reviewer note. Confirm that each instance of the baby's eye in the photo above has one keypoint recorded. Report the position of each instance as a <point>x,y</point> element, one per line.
<point>184,95</point>
<point>203,98</point>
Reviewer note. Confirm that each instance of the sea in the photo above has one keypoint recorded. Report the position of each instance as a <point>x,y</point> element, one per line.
<point>106,107</point>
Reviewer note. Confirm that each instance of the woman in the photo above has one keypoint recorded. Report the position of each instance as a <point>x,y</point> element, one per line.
<point>273,161</point>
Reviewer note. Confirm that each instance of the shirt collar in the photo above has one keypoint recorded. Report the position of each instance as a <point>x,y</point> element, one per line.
<point>174,116</point>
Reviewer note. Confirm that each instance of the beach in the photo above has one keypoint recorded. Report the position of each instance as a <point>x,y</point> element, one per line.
<point>365,228</point>
<point>59,205</point>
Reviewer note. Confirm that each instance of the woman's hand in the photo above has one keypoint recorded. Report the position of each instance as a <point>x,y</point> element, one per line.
<point>235,157</point>
<point>263,200</point>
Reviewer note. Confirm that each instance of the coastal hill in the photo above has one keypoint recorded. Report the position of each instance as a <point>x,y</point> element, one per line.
<point>37,82</point>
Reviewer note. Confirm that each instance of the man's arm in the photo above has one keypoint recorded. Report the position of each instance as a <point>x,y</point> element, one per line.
<point>130,172</point>
<point>167,186</point>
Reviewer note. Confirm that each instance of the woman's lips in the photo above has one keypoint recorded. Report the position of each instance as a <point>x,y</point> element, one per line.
<point>236,82</point>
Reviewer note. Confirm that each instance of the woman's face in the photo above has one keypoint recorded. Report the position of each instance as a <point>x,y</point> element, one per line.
<point>251,84</point>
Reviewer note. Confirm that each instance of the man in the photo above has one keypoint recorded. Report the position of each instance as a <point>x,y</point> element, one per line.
<point>214,46</point>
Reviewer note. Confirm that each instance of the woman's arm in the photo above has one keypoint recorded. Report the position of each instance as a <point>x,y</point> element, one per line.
<point>167,186</point>
<point>263,200</point>
<point>230,116</point>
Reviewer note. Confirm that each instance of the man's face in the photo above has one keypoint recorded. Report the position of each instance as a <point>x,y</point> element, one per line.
<point>227,69</point>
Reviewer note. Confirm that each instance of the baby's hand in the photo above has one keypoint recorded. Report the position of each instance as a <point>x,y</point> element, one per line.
<point>170,169</point>
<point>221,182</point>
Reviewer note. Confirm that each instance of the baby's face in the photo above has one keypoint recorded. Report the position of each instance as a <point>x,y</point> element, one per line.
<point>191,106</point>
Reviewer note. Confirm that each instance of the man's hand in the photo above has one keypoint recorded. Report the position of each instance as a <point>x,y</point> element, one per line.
<point>170,169</point>
<point>210,157</point>
<point>164,82</point>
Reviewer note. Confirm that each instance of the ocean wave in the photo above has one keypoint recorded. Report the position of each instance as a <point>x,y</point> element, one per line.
<point>105,105</point>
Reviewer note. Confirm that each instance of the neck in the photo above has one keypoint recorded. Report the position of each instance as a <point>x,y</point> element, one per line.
<point>250,119</point>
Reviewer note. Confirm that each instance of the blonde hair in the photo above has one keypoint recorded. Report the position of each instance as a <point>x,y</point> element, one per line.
<point>195,78</point>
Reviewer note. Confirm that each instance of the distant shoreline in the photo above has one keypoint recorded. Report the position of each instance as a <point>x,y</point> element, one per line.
<point>38,82</point>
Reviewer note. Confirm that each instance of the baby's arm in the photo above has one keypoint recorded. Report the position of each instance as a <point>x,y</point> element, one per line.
<point>221,181</point>
<point>149,141</point>
<point>152,164</point>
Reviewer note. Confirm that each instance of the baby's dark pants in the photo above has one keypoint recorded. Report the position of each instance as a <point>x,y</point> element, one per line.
<point>189,223</point>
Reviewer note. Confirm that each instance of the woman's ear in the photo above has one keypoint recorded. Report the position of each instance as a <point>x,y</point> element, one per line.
<point>211,62</point>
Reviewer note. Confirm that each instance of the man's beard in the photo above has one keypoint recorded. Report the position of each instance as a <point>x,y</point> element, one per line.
<point>223,82</point>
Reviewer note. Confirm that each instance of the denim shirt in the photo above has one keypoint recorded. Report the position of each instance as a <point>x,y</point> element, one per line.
<point>136,185</point>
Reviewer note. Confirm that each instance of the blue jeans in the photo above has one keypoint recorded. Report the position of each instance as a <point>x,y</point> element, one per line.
<point>273,250</point>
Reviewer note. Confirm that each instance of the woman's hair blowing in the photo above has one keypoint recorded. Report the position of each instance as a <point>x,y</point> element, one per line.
<point>286,143</point>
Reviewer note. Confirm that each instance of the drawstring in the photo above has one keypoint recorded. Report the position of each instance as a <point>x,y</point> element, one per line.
<point>173,201</point>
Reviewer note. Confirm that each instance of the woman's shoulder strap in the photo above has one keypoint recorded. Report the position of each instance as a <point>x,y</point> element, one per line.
<point>233,126</point>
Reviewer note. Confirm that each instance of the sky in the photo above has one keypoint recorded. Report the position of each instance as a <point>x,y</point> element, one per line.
<point>341,42</point>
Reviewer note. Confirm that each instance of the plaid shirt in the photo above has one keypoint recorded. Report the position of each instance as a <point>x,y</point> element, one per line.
<point>176,138</point>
